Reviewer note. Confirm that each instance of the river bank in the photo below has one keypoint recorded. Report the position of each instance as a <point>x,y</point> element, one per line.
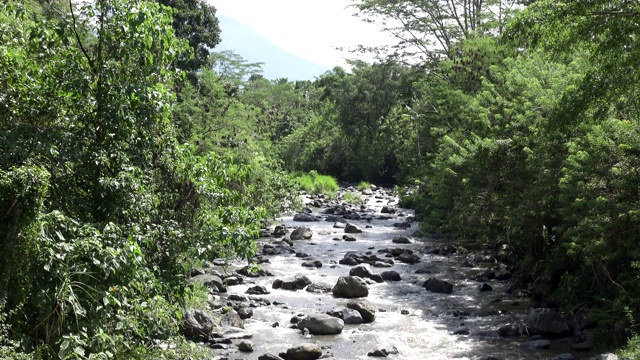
<point>426,298</point>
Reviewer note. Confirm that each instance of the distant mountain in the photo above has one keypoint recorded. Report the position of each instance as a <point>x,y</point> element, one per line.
<point>253,47</point>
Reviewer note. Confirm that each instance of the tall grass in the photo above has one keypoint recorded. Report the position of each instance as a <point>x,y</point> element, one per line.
<point>354,198</point>
<point>363,185</point>
<point>314,183</point>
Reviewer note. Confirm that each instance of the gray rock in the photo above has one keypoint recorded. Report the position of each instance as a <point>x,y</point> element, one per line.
<point>303,352</point>
<point>485,287</point>
<point>198,325</point>
<point>245,313</point>
<point>388,210</point>
<point>351,316</point>
<point>321,324</point>
<point>566,356</point>
<point>304,217</point>
<point>361,271</point>
<point>339,225</point>
<point>462,330</point>
<point>438,286</point>
<point>232,319</point>
<point>245,346</point>
<point>350,287</point>
<point>257,290</point>
<point>401,240</point>
<point>348,238</point>
<point>319,288</point>
<point>352,229</point>
<point>269,356</point>
<point>232,280</point>
<point>297,283</point>
<point>536,344</point>
<point>367,312</point>
<point>402,225</point>
<point>312,263</point>
<point>279,230</point>
<point>352,216</point>
<point>211,281</point>
<point>303,232</point>
<point>547,322</point>
<point>378,353</point>
<point>390,276</point>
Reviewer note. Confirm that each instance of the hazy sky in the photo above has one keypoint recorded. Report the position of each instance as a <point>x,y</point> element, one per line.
<point>310,29</point>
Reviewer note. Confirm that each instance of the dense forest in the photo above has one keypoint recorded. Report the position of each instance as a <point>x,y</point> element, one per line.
<point>130,153</point>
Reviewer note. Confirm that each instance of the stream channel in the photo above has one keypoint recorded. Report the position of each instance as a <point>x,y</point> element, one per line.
<point>418,323</point>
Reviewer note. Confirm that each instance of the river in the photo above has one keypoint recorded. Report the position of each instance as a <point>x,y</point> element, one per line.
<point>419,323</point>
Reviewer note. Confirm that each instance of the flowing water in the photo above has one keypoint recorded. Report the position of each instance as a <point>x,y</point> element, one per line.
<point>418,323</point>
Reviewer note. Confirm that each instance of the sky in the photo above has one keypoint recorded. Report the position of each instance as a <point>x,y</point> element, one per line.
<point>311,29</point>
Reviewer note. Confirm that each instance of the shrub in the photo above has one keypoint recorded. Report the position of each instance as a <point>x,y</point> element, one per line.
<point>314,183</point>
<point>363,185</point>
<point>353,198</point>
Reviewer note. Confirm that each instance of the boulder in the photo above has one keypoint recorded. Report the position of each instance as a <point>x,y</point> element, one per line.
<point>257,290</point>
<point>352,229</point>
<point>438,286</point>
<point>408,258</point>
<point>321,324</point>
<point>363,272</point>
<point>245,346</point>
<point>319,288</point>
<point>565,356</point>
<point>297,283</point>
<point>390,276</point>
<point>339,225</point>
<point>443,250</point>
<point>232,319</point>
<point>279,231</point>
<point>198,325</point>
<point>388,210</point>
<point>269,356</point>
<point>367,312</point>
<point>350,287</point>
<point>485,287</point>
<point>402,225</point>
<point>352,216</point>
<point>304,217</point>
<point>245,313</point>
<point>351,316</point>
<point>312,263</point>
<point>401,240</point>
<point>303,352</point>
<point>546,322</point>
<point>211,281</point>
<point>348,238</point>
<point>303,232</point>
<point>348,260</point>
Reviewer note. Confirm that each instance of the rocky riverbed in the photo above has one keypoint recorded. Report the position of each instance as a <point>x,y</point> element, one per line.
<point>356,282</point>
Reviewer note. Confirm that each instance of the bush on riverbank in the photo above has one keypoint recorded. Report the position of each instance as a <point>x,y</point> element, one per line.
<point>354,198</point>
<point>314,183</point>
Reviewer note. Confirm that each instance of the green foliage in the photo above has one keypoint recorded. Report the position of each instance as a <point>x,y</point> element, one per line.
<point>315,183</point>
<point>364,185</point>
<point>194,21</point>
<point>349,138</point>
<point>354,198</point>
<point>102,212</point>
<point>632,349</point>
